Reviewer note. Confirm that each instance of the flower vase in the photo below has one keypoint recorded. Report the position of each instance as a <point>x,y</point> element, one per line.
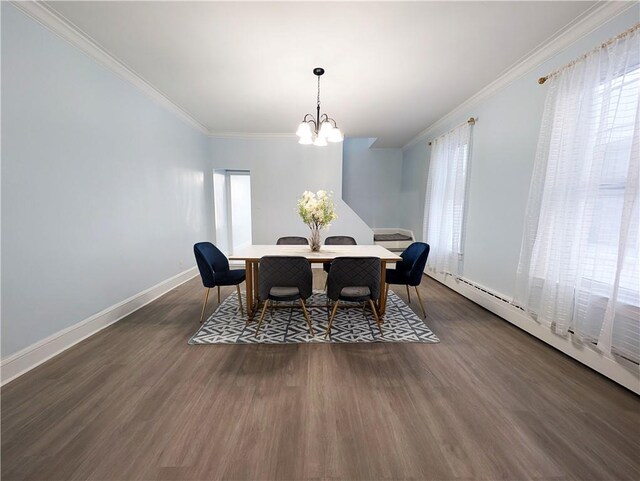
<point>314,239</point>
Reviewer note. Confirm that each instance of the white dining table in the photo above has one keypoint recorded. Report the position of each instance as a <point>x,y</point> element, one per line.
<point>252,254</point>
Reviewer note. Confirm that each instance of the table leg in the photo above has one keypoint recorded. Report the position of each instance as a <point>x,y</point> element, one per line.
<point>382,301</point>
<point>256,282</point>
<point>249,288</point>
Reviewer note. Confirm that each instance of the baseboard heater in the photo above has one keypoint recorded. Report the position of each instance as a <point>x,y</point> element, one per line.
<point>487,291</point>
<point>520,308</point>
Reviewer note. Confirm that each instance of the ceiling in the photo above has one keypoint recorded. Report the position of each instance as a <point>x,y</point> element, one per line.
<point>392,69</point>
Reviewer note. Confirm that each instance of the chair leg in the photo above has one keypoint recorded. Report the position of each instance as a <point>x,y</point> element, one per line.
<point>386,295</point>
<point>264,309</point>
<point>333,314</point>
<point>424,314</point>
<point>204,306</point>
<point>239,299</point>
<point>306,315</point>
<point>218,294</point>
<point>408,293</point>
<point>375,315</point>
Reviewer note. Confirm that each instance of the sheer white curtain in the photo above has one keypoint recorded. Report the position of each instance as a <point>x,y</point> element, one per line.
<point>579,261</point>
<point>445,199</point>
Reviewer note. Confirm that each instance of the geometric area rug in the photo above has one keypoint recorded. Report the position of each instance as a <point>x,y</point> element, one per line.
<point>287,326</point>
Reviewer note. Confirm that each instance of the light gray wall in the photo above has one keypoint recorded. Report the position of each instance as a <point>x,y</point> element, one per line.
<point>501,163</point>
<point>281,170</point>
<point>371,181</point>
<point>104,191</point>
<point>413,186</point>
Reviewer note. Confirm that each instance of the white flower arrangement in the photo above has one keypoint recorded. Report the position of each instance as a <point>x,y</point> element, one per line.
<point>317,210</point>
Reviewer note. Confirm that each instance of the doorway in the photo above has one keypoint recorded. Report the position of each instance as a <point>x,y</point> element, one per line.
<point>232,209</point>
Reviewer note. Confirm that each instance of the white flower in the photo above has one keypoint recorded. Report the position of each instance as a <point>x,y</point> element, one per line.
<point>317,210</point>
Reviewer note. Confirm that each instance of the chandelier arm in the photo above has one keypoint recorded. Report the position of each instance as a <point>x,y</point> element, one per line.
<point>311,121</point>
<point>329,119</point>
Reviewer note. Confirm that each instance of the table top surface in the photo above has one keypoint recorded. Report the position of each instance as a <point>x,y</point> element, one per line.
<point>326,253</point>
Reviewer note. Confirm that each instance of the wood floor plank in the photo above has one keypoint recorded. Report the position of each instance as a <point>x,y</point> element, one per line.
<point>136,402</point>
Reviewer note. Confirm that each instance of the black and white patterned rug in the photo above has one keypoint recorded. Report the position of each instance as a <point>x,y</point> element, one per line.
<point>287,326</point>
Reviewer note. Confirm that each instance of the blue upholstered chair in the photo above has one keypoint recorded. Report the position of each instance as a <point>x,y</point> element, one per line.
<point>408,272</point>
<point>354,279</point>
<point>214,271</point>
<point>286,279</point>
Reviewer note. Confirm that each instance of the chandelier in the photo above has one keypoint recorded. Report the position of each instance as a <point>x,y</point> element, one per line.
<point>321,128</point>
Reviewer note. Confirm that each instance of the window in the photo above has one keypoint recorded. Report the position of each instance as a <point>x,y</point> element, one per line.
<point>445,199</point>
<point>618,114</point>
<point>579,263</point>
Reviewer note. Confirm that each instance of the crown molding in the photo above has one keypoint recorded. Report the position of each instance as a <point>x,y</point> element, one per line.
<point>252,136</point>
<point>66,30</point>
<point>593,18</point>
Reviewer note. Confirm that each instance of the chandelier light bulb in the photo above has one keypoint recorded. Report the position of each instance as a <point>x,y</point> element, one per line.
<point>335,135</point>
<point>305,140</point>
<point>320,141</point>
<point>304,130</point>
<point>325,129</point>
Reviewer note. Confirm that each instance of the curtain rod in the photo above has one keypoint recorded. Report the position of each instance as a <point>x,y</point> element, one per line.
<point>627,32</point>
<point>471,121</point>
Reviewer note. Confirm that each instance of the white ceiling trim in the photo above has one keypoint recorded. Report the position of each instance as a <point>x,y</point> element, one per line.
<point>587,23</point>
<point>244,135</point>
<point>76,37</point>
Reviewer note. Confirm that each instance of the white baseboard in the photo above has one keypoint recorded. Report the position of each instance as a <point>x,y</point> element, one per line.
<point>614,370</point>
<point>31,356</point>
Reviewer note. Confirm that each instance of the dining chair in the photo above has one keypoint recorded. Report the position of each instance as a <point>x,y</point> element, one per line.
<point>215,272</point>
<point>409,270</point>
<point>354,279</point>
<point>337,240</point>
<point>285,279</point>
<point>292,240</point>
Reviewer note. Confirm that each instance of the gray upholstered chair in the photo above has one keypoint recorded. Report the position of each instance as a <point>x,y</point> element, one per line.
<point>340,240</point>
<point>285,278</point>
<point>354,279</point>
<point>337,240</point>
<point>293,241</point>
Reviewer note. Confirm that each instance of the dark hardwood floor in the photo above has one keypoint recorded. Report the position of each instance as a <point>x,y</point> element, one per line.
<point>489,402</point>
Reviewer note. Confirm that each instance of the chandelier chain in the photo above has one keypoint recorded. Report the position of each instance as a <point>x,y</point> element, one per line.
<point>318,91</point>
